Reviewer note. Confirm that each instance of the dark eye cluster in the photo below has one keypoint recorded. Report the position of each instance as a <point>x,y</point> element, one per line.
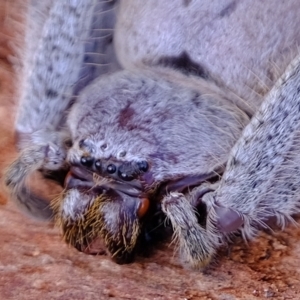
<point>126,171</point>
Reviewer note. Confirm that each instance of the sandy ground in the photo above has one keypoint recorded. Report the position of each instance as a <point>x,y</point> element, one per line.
<point>36,264</point>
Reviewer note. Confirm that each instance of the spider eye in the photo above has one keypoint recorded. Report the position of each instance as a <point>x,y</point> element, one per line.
<point>87,161</point>
<point>81,144</point>
<point>104,147</point>
<point>98,164</point>
<point>111,169</point>
<point>124,176</point>
<point>143,166</point>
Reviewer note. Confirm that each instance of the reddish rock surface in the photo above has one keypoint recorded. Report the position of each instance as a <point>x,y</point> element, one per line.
<point>36,264</point>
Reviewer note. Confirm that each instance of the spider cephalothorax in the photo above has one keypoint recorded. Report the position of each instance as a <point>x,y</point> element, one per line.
<point>137,143</point>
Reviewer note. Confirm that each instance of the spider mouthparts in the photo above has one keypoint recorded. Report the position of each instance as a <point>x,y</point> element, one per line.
<point>128,189</point>
<point>78,178</point>
<point>96,247</point>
